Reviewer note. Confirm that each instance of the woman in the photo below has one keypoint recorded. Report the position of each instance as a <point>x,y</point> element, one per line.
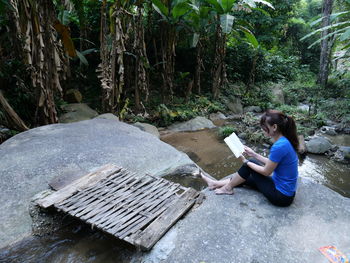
<point>277,177</point>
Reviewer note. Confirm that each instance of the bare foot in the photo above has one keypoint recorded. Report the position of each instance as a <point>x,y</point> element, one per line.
<point>212,184</point>
<point>224,191</point>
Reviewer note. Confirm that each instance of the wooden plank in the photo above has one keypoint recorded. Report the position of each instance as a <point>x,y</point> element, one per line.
<point>120,220</point>
<point>81,183</point>
<point>156,229</point>
<point>140,196</point>
<point>103,207</point>
<point>78,199</point>
<point>84,207</point>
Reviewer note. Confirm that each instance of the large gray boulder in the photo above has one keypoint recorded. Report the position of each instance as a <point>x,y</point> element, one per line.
<point>318,145</point>
<point>277,94</point>
<point>246,228</point>
<point>195,124</point>
<point>235,105</point>
<point>76,112</point>
<point>29,160</point>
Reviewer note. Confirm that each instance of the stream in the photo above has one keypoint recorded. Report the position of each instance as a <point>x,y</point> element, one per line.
<point>79,243</point>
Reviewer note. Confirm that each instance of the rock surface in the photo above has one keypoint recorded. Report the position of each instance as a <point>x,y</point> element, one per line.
<point>246,228</point>
<point>195,124</point>
<point>76,112</point>
<point>147,128</point>
<point>29,160</point>
<point>318,145</point>
<point>107,116</point>
<point>235,105</point>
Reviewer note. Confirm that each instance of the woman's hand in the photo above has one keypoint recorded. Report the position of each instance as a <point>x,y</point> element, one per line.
<point>249,151</point>
<point>242,158</point>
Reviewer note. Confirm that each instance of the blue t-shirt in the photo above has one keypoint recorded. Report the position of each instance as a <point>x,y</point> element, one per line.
<point>285,175</point>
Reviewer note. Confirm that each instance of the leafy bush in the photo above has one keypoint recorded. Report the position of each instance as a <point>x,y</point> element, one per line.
<point>226,131</point>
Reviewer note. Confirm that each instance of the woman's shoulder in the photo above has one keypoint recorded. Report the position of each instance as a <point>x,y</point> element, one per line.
<point>281,143</point>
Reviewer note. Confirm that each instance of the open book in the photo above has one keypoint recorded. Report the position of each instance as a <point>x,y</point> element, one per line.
<point>235,144</point>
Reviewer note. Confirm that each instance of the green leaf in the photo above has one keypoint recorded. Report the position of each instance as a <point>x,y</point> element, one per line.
<point>345,35</point>
<point>264,3</point>
<point>227,5</point>
<point>262,11</point>
<point>217,6</point>
<point>249,36</point>
<point>194,39</point>
<point>226,22</point>
<point>160,8</point>
<point>82,58</point>
<point>180,9</point>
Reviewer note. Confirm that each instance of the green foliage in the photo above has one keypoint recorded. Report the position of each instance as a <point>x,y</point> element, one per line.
<point>180,110</point>
<point>225,131</point>
<point>335,109</point>
<point>300,89</point>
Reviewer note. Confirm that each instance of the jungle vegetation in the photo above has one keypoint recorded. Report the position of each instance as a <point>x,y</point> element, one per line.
<point>166,60</point>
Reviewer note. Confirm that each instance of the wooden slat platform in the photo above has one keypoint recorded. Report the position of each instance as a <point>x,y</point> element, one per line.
<point>136,209</point>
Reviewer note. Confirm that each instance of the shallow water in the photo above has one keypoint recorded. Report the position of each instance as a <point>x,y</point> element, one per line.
<point>77,243</point>
<point>214,157</point>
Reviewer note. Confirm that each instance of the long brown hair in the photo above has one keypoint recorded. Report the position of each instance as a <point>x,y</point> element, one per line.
<point>285,125</point>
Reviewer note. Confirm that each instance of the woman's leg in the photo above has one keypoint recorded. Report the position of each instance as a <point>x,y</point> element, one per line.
<point>227,189</point>
<point>213,184</point>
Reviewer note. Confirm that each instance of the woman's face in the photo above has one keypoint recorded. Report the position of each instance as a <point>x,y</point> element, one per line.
<point>269,130</point>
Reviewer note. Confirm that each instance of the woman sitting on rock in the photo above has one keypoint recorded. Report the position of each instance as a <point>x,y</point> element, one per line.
<point>275,177</point>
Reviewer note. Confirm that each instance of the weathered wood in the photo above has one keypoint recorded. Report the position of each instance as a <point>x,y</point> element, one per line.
<point>16,122</point>
<point>136,209</point>
<point>81,183</point>
<point>156,230</point>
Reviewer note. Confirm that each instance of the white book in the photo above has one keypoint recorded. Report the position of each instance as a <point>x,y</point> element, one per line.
<point>234,144</point>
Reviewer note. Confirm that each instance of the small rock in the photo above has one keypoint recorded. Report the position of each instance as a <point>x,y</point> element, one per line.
<point>235,106</point>
<point>73,96</point>
<point>195,124</point>
<point>107,116</point>
<point>329,130</point>
<point>255,109</point>
<point>318,145</point>
<point>147,128</point>
<point>76,112</point>
<point>217,116</point>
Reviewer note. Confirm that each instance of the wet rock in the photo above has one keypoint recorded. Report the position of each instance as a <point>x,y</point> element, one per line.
<point>235,105</point>
<point>107,116</point>
<point>217,116</point>
<point>342,154</point>
<point>76,112</point>
<point>329,130</point>
<point>255,109</point>
<point>147,128</point>
<point>318,145</point>
<point>195,124</point>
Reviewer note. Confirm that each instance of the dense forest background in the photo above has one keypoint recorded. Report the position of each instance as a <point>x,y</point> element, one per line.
<point>162,61</point>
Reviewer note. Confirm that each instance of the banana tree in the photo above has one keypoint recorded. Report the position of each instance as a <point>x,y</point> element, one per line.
<point>172,13</point>
<point>33,22</point>
<point>199,21</point>
<point>224,25</point>
<point>338,30</point>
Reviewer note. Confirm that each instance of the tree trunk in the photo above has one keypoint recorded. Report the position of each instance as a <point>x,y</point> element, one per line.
<point>168,59</point>
<point>198,69</point>
<point>14,121</point>
<point>325,47</point>
<point>218,71</point>
<point>111,68</point>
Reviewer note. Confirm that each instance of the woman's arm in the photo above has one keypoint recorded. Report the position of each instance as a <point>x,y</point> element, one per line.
<point>266,170</point>
<point>255,155</point>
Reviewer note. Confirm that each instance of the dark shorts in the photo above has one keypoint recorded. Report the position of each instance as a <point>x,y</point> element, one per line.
<point>265,185</point>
